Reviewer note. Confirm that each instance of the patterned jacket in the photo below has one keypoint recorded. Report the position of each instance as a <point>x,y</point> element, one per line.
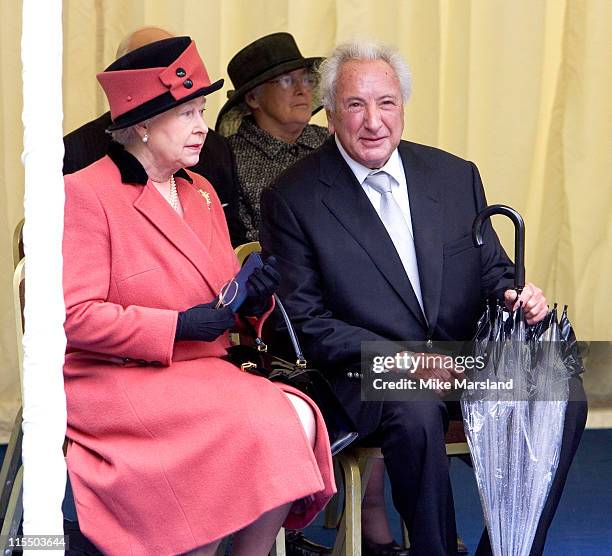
<point>260,158</point>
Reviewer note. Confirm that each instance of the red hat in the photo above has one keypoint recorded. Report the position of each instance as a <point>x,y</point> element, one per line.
<point>153,79</point>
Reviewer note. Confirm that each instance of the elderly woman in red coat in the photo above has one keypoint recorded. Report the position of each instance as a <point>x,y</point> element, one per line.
<point>171,447</point>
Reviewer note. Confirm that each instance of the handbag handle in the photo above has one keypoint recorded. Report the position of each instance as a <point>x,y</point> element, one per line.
<point>299,356</point>
<point>300,360</point>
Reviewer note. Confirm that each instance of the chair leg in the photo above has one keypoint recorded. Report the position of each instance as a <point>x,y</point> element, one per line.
<point>13,516</point>
<point>405,539</point>
<point>278,548</point>
<point>10,465</point>
<point>332,510</point>
<point>348,538</point>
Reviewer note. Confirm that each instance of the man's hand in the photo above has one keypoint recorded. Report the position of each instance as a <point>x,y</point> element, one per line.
<point>534,303</point>
<point>433,365</point>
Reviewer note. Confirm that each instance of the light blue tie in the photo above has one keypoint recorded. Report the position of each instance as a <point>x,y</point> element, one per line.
<point>398,229</point>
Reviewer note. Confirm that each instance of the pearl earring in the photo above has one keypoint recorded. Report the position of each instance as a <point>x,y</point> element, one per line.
<point>145,138</point>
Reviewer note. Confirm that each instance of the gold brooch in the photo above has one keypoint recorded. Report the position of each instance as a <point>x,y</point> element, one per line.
<point>206,196</point>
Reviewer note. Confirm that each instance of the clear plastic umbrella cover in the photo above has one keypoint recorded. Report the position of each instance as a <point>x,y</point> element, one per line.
<point>515,435</point>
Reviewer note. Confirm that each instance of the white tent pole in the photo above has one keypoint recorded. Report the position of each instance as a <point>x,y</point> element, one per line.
<point>44,415</point>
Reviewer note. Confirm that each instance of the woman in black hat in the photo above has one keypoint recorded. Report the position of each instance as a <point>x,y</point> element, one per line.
<point>171,448</point>
<point>266,117</point>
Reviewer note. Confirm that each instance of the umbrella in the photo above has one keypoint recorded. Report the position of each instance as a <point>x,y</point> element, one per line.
<point>515,435</point>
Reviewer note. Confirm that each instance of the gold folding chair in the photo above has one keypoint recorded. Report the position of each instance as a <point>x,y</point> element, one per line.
<point>18,305</point>
<point>8,475</point>
<point>13,516</point>
<point>18,243</point>
<point>244,250</point>
<point>356,466</point>
<point>11,475</point>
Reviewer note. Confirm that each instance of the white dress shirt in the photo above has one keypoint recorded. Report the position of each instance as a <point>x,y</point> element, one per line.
<point>399,187</point>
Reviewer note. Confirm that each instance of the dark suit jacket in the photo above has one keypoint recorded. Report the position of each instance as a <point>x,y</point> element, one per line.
<point>90,142</point>
<point>343,282</point>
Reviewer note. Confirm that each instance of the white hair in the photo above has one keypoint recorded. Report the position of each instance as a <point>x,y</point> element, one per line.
<point>366,51</point>
<point>256,91</point>
<point>125,136</point>
<point>129,135</point>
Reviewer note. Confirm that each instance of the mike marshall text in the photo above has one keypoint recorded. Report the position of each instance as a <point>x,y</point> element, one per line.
<point>438,384</point>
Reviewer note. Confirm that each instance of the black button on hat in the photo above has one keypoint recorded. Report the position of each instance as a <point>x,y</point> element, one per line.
<point>132,75</point>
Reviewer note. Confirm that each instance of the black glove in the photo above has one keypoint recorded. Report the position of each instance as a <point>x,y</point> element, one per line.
<point>260,286</point>
<point>204,322</point>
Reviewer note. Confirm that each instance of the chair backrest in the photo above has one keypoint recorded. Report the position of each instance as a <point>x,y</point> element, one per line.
<point>244,250</point>
<point>18,243</point>
<point>18,305</point>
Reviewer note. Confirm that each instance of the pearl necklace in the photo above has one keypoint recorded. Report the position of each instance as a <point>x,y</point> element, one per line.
<point>174,200</point>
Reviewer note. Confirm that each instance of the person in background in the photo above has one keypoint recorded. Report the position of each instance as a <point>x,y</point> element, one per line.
<point>373,237</point>
<point>90,142</point>
<point>266,117</point>
<point>168,449</point>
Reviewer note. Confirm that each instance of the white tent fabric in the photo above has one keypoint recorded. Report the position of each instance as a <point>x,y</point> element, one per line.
<point>44,415</point>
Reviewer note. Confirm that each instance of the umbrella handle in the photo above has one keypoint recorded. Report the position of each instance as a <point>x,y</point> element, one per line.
<point>519,238</point>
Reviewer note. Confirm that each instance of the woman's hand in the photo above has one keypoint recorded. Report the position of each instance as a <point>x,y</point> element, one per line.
<point>204,322</point>
<point>262,283</point>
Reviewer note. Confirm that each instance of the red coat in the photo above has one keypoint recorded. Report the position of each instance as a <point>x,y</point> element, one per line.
<point>171,447</point>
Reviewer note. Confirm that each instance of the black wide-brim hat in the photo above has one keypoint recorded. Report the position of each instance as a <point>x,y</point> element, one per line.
<point>153,79</point>
<point>260,61</point>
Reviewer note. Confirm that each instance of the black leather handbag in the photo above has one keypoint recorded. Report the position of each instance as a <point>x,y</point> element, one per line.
<point>256,360</point>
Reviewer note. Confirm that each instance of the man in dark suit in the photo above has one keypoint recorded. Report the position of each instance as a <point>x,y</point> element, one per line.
<point>90,142</point>
<point>373,239</point>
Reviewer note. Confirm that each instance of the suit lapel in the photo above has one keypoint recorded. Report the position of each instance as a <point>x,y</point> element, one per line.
<point>350,205</point>
<point>193,240</point>
<point>426,215</point>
